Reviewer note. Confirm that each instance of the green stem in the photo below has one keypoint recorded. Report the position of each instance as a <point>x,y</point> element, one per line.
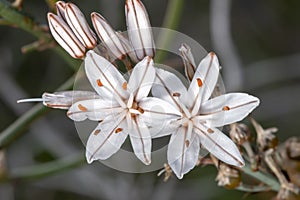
<point>15,129</point>
<point>19,19</point>
<point>47,169</point>
<point>251,188</point>
<point>264,178</point>
<point>171,21</point>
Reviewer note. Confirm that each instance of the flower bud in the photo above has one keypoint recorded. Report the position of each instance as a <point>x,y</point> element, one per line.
<point>139,29</point>
<point>108,36</point>
<point>79,26</point>
<point>65,36</point>
<point>188,61</point>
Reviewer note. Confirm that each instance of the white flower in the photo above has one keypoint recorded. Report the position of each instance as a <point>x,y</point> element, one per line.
<point>120,109</point>
<point>200,116</point>
<point>70,29</point>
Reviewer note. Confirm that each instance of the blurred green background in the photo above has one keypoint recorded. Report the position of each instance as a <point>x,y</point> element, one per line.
<point>258,46</point>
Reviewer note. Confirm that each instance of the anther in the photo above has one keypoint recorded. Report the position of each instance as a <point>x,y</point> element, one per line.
<point>225,108</point>
<point>199,81</point>
<point>82,108</point>
<point>187,143</point>
<point>124,86</point>
<point>96,132</point>
<point>141,110</point>
<point>118,130</point>
<point>176,94</point>
<point>209,130</point>
<point>99,83</point>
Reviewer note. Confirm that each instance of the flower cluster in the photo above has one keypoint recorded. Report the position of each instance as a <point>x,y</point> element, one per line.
<point>189,115</point>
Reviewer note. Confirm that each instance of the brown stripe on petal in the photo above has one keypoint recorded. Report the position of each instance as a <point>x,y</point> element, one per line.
<point>96,132</point>
<point>226,108</point>
<point>118,130</point>
<point>212,54</point>
<point>199,82</point>
<point>209,130</point>
<point>187,143</point>
<point>99,83</point>
<point>82,108</point>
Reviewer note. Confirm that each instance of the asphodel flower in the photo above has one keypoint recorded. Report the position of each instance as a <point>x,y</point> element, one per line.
<point>200,116</point>
<point>71,30</point>
<point>121,108</point>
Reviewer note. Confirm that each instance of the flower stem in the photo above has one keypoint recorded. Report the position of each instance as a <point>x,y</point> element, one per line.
<point>47,169</point>
<point>15,129</point>
<point>14,17</point>
<point>171,21</point>
<point>264,178</point>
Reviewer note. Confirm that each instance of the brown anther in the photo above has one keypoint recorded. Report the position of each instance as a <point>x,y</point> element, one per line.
<point>226,108</point>
<point>96,132</point>
<point>209,130</point>
<point>176,94</point>
<point>199,82</point>
<point>82,108</point>
<point>141,110</point>
<point>118,130</point>
<point>99,83</point>
<point>124,86</point>
<point>187,143</point>
<point>134,105</point>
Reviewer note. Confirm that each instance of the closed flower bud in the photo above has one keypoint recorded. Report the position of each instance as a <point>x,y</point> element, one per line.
<point>188,61</point>
<point>70,29</point>
<point>139,29</point>
<point>108,36</point>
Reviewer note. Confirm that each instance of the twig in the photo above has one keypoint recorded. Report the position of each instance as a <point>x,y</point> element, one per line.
<point>47,169</point>
<point>16,18</point>
<point>264,178</point>
<point>15,129</point>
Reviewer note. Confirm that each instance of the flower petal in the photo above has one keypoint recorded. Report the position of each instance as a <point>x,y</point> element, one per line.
<point>183,151</point>
<point>106,139</point>
<point>60,9</point>
<point>64,99</point>
<point>93,109</point>
<point>227,109</point>
<point>168,87</point>
<point>128,47</point>
<point>204,81</point>
<point>139,29</point>
<point>108,35</point>
<point>141,140</point>
<point>79,26</point>
<point>221,146</point>
<point>158,115</point>
<point>188,61</point>
<point>142,78</point>
<point>105,78</point>
<point>65,36</point>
